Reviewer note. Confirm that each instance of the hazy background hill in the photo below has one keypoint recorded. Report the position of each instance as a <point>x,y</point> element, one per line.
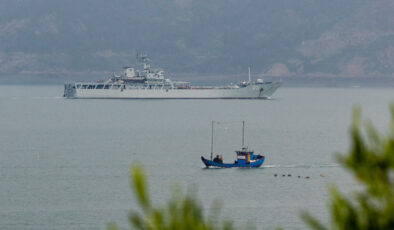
<point>61,38</point>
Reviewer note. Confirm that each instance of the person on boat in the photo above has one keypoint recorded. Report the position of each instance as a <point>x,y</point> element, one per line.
<point>218,159</point>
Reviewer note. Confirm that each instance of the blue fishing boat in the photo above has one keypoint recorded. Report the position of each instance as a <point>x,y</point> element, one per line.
<point>245,158</point>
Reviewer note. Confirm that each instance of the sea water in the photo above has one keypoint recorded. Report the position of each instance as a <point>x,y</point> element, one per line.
<point>65,163</point>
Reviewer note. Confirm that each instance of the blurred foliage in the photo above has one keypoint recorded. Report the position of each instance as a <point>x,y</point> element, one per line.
<point>181,212</point>
<point>371,160</point>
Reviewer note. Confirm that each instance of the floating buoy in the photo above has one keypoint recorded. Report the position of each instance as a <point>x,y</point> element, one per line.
<point>283,175</point>
<point>275,174</point>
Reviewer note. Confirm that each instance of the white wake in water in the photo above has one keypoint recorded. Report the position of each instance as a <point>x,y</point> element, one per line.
<point>303,166</point>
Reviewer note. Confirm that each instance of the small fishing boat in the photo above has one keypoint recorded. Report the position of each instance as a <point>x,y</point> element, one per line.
<point>245,158</point>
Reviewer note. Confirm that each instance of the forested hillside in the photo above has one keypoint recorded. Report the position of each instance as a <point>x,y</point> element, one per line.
<point>275,37</point>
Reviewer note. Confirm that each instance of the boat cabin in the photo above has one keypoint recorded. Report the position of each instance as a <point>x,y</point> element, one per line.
<point>246,156</point>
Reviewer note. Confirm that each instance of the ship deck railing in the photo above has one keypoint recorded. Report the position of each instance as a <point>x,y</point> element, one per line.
<point>120,86</point>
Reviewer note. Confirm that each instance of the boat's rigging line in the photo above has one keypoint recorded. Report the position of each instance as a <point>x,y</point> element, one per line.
<point>222,123</point>
<point>227,123</point>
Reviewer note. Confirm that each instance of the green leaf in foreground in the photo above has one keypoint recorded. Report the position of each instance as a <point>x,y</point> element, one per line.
<point>182,211</point>
<point>371,161</point>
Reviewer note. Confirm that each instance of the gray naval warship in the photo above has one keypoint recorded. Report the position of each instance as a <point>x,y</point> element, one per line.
<point>150,83</point>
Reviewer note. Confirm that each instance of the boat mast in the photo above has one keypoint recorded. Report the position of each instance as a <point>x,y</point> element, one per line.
<point>212,141</point>
<point>243,128</point>
<point>249,74</point>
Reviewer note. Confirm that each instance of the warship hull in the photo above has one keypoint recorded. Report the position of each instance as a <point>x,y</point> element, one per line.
<point>253,91</point>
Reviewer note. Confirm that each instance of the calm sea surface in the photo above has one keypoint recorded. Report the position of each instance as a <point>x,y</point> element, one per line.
<point>64,164</point>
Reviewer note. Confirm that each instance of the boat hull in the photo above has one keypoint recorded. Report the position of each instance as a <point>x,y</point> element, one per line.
<point>255,164</point>
<point>257,91</point>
